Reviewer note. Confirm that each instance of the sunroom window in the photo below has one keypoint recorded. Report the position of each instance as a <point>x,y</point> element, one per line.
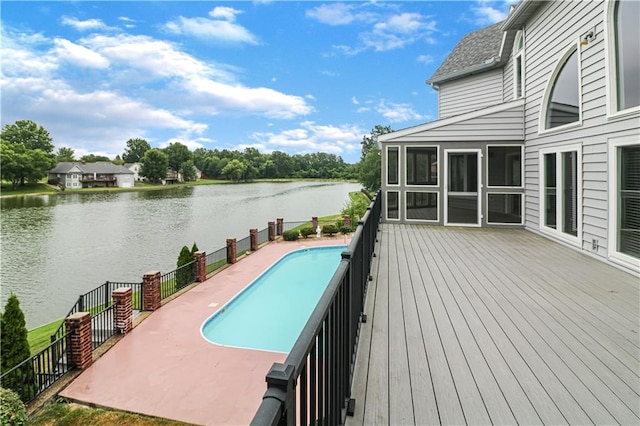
<point>392,165</point>
<point>422,165</point>
<point>627,54</point>
<point>563,104</point>
<point>628,201</point>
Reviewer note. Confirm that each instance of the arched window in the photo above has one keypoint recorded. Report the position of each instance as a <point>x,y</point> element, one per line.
<point>518,66</point>
<point>626,35</point>
<point>562,100</point>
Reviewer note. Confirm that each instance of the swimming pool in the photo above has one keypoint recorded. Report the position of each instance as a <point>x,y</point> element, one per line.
<point>270,313</point>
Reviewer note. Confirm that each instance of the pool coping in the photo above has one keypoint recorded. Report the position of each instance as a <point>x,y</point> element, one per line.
<point>165,368</point>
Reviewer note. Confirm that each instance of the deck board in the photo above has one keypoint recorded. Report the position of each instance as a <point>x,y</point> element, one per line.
<point>488,326</point>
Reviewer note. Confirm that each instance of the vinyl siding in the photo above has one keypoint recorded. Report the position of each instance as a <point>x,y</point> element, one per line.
<point>470,93</point>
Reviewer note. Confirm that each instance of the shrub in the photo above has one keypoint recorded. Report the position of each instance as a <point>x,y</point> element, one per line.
<point>185,275</point>
<point>306,231</point>
<point>290,235</point>
<point>329,229</point>
<point>12,410</point>
<point>345,229</point>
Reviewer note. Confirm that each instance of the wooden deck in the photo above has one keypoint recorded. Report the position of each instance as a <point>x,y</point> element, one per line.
<point>486,326</point>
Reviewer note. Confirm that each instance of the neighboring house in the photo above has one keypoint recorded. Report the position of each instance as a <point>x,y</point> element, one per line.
<point>135,168</point>
<point>101,174</point>
<point>539,127</point>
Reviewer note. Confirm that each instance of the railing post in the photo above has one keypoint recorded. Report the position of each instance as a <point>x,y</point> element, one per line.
<point>123,315</point>
<point>281,385</point>
<point>201,266</point>
<point>81,303</point>
<point>280,226</point>
<point>106,294</point>
<point>253,236</point>
<point>151,296</point>
<point>80,346</point>
<point>272,231</point>
<point>314,223</point>
<point>231,251</point>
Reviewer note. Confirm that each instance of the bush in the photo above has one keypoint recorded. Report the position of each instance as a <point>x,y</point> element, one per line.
<point>12,410</point>
<point>345,229</point>
<point>184,276</point>
<point>305,232</point>
<point>290,235</point>
<point>329,229</point>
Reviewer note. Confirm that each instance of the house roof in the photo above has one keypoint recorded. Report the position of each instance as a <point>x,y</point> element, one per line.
<point>477,51</point>
<point>102,167</point>
<point>521,14</point>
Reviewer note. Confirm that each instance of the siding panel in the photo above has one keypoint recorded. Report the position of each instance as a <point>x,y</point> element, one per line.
<point>470,93</point>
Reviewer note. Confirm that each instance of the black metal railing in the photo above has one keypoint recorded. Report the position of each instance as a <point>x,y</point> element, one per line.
<point>136,292</point>
<point>316,376</point>
<point>263,236</point>
<point>176,280</point>
<point>39,372</point>
<point>243,246</point>
<point>216,260</point>
<point>102,326</point>
<point>286,226</point>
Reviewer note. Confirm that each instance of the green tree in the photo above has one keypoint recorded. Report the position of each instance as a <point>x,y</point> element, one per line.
<point>19,165</point>
<point>234,170</point>
<point>15,349</point>
<point>118,161</point>
<point>155,164</point>
<point>184,274</point>
<point>194,249</point>
<point>177,154</point>
<point>136,148</point>
<point>188,170</point>
<point>94,158</point>
<point>29,134</point>
<point>65,154</point>
<point>370,141</point>
<point>369,170</point>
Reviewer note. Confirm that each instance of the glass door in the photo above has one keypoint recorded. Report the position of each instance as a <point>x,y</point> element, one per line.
<point>462,188</point>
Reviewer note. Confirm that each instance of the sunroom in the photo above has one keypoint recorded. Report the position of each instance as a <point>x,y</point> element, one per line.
<point>465,170</point>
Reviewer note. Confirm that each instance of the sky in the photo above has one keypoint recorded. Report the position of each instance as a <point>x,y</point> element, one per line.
<point>292,76</point>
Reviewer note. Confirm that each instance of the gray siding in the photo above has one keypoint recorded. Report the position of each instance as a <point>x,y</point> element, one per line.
<point>470,93</point>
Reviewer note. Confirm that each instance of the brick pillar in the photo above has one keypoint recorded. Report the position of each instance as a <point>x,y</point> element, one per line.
<point>279,226</point>
<point>201,266</point>
<point>231,250</point>
<point>151,295</point>
<point>347,221</point>
<point>314,223</point>
<point>272,231</point>
<point>123,318</point>
<point>253,236</point>
<point>79,343</point>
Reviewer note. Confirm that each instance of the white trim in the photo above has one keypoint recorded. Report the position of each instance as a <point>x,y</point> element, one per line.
<point>521,167</point>
<point>542,119</point>
<point>519,54</point>
<point>610,66</point>
<point>406,216</point>
<point>386,168</point>
<point>521,208</point>
<point>406,169</point>
<point>557,233</point>
<point>445,186</point>
<point>386,206</point>
<point>612,243</point>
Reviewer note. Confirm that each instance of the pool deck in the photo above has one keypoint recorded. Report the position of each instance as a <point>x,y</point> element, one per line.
<point>165,368</point>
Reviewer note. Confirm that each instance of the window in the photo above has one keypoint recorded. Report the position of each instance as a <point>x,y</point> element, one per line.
<point>624,157</point>
<point>392,165</point>
<point>422,165</point>
<point>518,66</point>
<point>422,206</point>
<point>504,208</point>
<point>562,100</point>
<point>393,211</point>
<point>561,201</point>
<point>626,55</point>
<point>504,166</point>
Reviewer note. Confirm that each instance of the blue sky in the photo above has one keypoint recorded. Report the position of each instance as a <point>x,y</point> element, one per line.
<point>297,77</point>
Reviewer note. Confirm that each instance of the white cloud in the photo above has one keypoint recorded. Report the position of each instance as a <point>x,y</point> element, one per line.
<point>86,25</point>
<point>398,31</point>
<point>355,101</point>
<point>79,55</point>
<point>397,113</point>
<point>227,13</point>
<point>487,12</point>
<point>333,13</point>
<point>425,59</point>
<point>222,28</point>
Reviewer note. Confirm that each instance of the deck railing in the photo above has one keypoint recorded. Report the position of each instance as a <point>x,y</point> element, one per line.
<point>316,376</point>
<point>102,326</point>
<point>176,280</point>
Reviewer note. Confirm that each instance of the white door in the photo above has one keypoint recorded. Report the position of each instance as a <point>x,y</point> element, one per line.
<point>462,187</point>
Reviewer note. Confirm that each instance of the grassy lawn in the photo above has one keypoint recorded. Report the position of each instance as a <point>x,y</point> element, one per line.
<point>39,338</point>
<point>7,190</point>
<point>62,414</point>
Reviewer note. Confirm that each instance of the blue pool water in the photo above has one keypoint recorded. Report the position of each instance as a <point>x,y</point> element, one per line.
<point>270,313</point>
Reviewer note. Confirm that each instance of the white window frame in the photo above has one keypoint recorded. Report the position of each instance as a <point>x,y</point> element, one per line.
<point>542,120</point>
<point>437,220</point>
<point>386,206</point>
<point>570,239</point>
<point>386,168</point>
<point>614,255</point>
<point>521,194</point>
<point>445,186</point>
<point>521,167</point>
<point>406,169</point>
<point>518,55</point>
<point>611,65</point>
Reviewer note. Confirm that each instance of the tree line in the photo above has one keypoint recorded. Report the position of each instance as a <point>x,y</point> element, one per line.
<point>26,156</point>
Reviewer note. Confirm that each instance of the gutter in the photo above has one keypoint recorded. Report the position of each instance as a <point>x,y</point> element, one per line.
<point>523,11</point>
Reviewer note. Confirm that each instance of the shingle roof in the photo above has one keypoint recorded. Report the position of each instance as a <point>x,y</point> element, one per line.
<point>102,167</point>
<point>475,50</point>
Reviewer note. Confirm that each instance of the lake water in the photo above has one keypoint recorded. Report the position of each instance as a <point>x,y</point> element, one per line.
<point>56,247</point>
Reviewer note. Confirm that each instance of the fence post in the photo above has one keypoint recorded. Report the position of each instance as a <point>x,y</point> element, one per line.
<point>80,346</point>
<point>107,296</point>
<point>253,236</point>
<point>272,231</point>
<point>201,266</point>
<point>347,221</point>
<point>151,296</point>
<point>314,223</point>
<point>280,226</point>
<point>281,380</point>
<point>123,317</point>
<point>231,251</point>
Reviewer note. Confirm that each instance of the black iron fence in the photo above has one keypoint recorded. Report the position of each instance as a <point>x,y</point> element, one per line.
<point>317,374</point>
<point>263,236</point>
<point>102,326</point>
<point>39,372</point>
<point>243,246</point>
<point>216,260</point>
<point>174,281</point>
